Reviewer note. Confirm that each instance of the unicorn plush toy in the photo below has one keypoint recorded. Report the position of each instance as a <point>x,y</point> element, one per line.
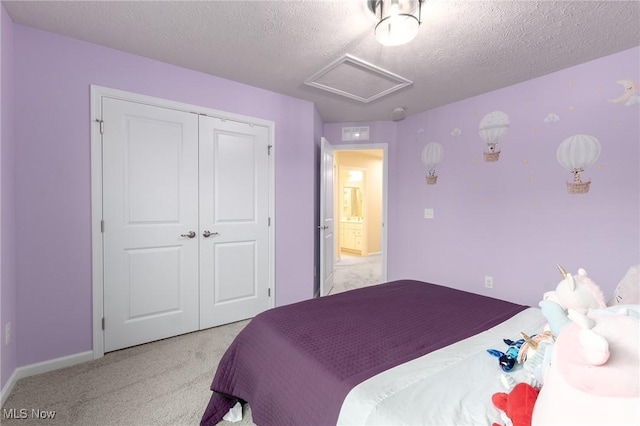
<point>577,292</point>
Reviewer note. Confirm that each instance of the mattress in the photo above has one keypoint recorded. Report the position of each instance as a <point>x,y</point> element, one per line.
<point>450,386</point>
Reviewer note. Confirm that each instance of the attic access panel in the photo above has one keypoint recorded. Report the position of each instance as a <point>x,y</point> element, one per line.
<point>356,79</point>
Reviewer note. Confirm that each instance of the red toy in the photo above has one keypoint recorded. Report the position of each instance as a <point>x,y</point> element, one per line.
<point>518,405</point>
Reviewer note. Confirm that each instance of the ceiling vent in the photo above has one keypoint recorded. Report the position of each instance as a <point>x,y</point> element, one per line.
<point>356,79</point>
<point>355,133</point>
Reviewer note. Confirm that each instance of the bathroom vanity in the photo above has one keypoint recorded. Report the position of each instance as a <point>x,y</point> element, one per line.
<point>352,237</point>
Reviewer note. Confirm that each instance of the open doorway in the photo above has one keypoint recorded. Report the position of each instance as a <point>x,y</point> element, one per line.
<point>359,203</point>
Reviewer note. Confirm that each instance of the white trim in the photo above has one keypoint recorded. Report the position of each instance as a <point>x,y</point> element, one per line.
<point>96,217</point>
<point>97,93</point>
<point>167,103</point>
<point>272,214</point>
<point>400,82</point>
<point>385,183</point>
<point>8,387</point>
<point>43,367</point>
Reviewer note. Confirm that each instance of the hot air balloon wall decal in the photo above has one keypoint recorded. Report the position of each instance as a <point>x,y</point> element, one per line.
<point>432,155</point>
<point>493,128</point>
<point>575,154</point>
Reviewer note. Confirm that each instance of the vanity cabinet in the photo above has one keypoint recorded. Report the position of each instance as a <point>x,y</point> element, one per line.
<point>352,237</point>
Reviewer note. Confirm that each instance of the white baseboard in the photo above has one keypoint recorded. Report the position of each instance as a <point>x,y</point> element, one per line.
<point>8,387</point>
<point>42,367</point>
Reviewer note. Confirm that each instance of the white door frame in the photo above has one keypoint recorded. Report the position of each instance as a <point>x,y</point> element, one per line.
<point>97,92</point>
<point>385,183</point>
<point>327,224</point>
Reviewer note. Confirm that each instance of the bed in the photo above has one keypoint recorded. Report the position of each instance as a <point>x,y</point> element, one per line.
<point>403,352</point>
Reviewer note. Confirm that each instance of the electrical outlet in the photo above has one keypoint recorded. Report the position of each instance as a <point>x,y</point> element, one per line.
<point>7,333</point>
<point>428,213</point>
<point>488,282</point>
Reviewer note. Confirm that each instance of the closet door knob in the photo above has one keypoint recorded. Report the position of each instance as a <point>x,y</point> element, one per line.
<point>207,234</point>
<point>190,234</point>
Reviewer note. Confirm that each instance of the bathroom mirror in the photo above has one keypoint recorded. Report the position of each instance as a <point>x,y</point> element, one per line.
<point>352,203</point>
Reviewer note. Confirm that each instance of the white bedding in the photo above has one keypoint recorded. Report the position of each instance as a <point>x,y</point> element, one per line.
<point>451,386</point>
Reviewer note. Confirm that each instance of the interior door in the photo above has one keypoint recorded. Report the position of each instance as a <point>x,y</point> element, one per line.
<point>327,242</point>
<point>234,220</point>
<point>150,213</point>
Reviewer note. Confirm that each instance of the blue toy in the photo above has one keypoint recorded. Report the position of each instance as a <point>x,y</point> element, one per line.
<point>508,359</point>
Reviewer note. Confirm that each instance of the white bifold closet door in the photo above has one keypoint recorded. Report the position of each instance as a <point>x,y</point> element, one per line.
<point>185,210</point>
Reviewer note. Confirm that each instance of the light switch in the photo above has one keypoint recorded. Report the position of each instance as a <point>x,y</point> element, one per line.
<point>428,213</point>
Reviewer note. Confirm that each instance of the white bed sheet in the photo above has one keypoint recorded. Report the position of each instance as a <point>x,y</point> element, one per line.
<point>451,386</point>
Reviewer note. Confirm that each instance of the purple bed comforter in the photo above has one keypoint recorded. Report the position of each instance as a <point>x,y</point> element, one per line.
<point>295,364</point>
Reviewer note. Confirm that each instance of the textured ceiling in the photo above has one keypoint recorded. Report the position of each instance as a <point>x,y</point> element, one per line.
<point>463,48</point>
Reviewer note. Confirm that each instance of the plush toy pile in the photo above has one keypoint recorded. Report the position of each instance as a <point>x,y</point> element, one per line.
<point>590,375</point>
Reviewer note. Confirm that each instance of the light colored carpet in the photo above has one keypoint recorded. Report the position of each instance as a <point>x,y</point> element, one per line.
<point>352,272</point>
<point>160,383</point>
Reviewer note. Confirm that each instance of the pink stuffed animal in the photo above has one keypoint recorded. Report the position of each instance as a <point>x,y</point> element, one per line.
<point>594,376</point>
<point>577,292</point>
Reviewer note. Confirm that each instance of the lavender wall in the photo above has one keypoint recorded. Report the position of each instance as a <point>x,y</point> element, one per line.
<point>514,219</point>
<point>52,79</point>
<point>8,360</point>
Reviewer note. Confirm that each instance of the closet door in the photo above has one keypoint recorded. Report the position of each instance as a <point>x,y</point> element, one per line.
<point>234,209</point>
<point>150,205</point>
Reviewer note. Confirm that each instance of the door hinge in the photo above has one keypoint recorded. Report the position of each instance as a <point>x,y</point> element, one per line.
<point>101,126</point>
<point>103,323</point>
<point>268,221</point>
<point>102,226</point>
<point>269,292</point>
<point>269,149</point>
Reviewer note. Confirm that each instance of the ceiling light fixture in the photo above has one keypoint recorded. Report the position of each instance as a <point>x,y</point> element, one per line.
<point>398,20</point>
